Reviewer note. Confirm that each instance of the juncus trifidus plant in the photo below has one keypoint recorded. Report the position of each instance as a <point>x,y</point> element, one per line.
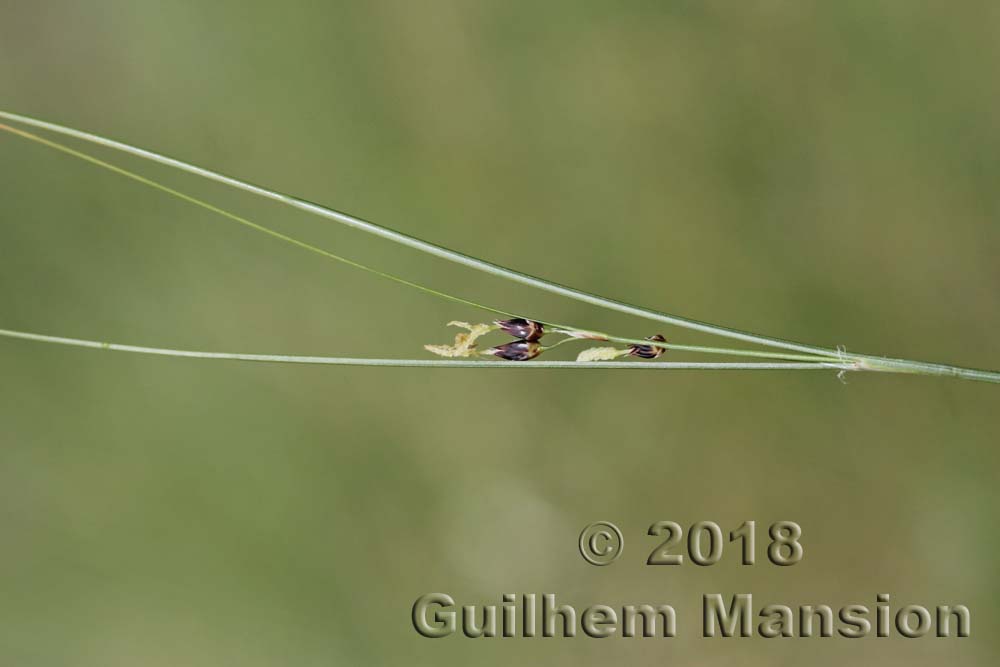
<point>527,333</point>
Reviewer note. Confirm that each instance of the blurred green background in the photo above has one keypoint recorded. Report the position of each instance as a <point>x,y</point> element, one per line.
<point>825,172</point>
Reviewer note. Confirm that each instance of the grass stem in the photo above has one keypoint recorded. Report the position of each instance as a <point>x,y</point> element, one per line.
<point>418,363</point>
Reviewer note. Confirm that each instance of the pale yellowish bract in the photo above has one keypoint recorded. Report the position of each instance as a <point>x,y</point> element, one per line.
<point>600,354</point>
<point>465,343</point>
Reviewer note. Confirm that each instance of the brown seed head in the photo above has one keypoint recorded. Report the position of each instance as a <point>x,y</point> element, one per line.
<point>521,328</point>
<point>518,350</point>
<point>648,351</point>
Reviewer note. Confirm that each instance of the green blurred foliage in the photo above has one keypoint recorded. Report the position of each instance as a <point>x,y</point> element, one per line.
<point>825,172</point>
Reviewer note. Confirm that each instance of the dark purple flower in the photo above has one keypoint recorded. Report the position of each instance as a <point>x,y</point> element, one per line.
<point>521,328</point>
<point>648,351</point>
<point>518,350</point>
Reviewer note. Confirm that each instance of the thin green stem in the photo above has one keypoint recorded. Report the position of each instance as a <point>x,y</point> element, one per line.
<point>241,220</point>
<point>888,365</point>
<point>420,363</point>
<point>562,341</point>
<point>763,354</point>
<point>749,353</point>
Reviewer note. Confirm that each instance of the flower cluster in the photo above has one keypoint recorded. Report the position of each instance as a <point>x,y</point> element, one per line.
<point>525,347</point>
<point>527,334</point>
<point>634,350</point>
